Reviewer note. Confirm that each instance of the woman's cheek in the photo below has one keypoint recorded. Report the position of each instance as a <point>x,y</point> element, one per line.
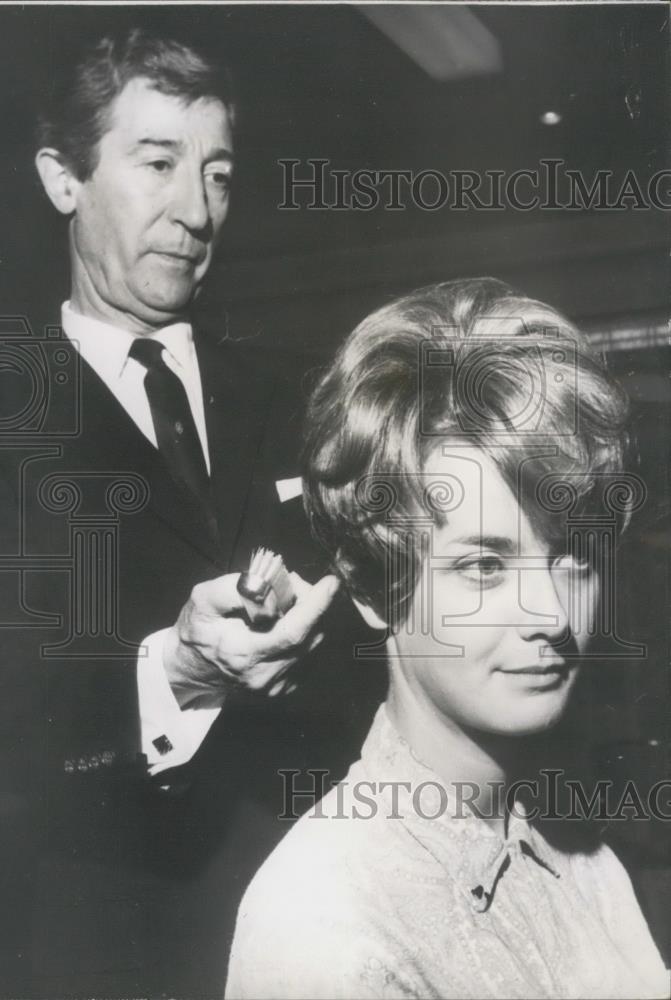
<point>584,620</point>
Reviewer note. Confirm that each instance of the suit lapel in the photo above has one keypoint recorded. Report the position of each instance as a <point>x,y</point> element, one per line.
<point>111,441</point>
<point>236,395</point>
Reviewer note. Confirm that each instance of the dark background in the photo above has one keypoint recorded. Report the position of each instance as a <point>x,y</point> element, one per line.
<point>322,81</point>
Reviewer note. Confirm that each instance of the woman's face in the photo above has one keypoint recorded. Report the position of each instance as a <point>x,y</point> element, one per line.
<point>479,646</point>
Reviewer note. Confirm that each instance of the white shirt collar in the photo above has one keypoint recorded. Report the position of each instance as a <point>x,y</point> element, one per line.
<point>105,347</point>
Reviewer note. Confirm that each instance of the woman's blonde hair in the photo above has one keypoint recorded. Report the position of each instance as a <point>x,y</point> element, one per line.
<point>470,360</point>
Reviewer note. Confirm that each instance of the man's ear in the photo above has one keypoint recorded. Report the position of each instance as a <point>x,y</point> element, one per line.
<point>58,180</point>
<point>371,618</point>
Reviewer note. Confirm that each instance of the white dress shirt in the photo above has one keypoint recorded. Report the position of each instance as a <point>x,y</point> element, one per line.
<point>105,348</point>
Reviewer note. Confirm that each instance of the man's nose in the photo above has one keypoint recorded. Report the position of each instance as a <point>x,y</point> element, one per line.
<point>190,206</point>
<point>543,603</point>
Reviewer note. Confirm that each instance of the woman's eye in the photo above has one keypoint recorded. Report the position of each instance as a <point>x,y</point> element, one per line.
<point>482,570</point>
<point>489,566</point>
<point>573,564</point>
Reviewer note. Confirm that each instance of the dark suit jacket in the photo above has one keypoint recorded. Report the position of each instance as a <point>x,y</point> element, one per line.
<point>118,884</point>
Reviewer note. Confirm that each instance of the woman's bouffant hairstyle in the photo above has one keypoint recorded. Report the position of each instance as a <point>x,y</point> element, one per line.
<point>78,111</point>
<point>469,362</point>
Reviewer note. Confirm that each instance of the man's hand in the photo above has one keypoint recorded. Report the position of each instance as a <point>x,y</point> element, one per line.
<point>208,650</point>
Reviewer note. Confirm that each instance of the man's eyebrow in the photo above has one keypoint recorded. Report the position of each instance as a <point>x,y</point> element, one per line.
<point>165,143</point>
<point>500,543</point>
<point>221,153</point>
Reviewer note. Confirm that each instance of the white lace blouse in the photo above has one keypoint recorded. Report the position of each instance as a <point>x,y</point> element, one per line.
<point>397,904</point>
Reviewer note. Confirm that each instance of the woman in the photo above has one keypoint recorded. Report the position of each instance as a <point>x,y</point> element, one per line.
<point>460,451</point>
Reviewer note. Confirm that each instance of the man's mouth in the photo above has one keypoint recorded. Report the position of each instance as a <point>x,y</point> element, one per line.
<point>187,258</point>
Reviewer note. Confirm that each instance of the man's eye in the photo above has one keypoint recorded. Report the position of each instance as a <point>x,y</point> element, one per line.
<point>219,179</point>
<point>160,166</point>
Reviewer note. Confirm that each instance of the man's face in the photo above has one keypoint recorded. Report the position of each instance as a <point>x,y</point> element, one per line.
<point>479,647</point>
<point>147,220</point>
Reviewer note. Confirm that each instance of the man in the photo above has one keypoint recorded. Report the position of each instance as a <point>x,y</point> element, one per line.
<point>131,841</point>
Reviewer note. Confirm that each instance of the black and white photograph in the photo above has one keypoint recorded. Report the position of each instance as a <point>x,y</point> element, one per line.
<point>335,537</point>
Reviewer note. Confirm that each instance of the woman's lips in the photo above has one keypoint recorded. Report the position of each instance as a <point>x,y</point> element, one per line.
<point>539,676</point>
<point>536,669</point>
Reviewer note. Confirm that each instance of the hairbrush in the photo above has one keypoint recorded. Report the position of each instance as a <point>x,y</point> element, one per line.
<point>266,590</point>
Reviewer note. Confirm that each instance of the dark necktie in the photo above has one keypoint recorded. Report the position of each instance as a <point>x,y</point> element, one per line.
<point>175,428</point>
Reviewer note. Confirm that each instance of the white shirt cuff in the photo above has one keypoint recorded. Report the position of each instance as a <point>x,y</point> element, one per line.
<point>170,735</point>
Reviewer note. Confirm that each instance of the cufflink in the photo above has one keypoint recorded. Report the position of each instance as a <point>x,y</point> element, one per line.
<point>163,745</point>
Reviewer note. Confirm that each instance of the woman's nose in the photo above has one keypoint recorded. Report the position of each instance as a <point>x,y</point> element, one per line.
<point>543,603</point>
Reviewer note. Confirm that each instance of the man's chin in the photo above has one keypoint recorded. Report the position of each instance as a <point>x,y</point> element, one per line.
<point>164,305</point>
<point>154,315</point>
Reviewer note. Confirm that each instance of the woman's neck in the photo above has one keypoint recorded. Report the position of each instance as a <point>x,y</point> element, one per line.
<point>480,765</point>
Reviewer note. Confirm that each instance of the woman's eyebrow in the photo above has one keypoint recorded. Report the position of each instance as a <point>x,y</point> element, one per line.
<point>500,543</point>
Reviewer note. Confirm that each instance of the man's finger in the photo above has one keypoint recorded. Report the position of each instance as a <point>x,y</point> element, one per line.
<point>302,588</point>
<point>299,621</point>
<point>259,677</point>
<point>219,596</point>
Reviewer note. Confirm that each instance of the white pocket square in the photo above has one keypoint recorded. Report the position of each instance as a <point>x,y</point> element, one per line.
<point>287,489</point>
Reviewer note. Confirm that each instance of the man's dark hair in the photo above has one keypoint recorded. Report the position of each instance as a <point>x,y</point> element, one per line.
<point>78,114</point>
